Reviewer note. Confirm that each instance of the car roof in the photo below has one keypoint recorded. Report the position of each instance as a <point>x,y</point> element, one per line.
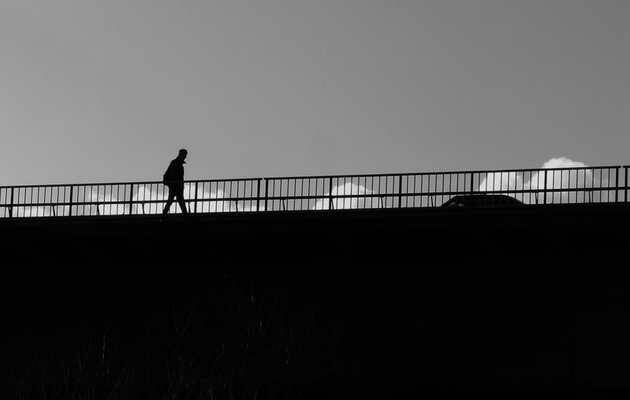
<point>483,199</point>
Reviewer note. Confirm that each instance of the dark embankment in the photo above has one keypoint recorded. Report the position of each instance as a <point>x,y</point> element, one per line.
<point>526,302</point>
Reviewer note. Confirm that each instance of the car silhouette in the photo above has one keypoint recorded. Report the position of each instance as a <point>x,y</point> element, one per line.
<point>482,201</point>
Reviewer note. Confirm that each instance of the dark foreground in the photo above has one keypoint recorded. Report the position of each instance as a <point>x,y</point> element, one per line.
<point>516,303</point>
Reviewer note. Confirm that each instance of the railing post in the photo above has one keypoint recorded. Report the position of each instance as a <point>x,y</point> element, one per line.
<point>399,191</point>
<point>266,193</point>
<point>11,208</point>
<point>70,202</point>
<point>544,187</point>
<point>330,195</point>
<point>257,194</point>
<point>196,191</point>
<point>130,200</point>
<point>472,182</point>
<point>625,197</point>
<point>617,185</point>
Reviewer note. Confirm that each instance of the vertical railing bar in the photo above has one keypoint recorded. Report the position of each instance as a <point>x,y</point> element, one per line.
<point>11,208</point>
<point>302,194</point>
<point>70,202</point>
<point>52,207</point>
<point>593,190</point>
<point>372,190</point>
<point>38,207</point>
<point>131,199</point>
<point>585,188</point>
<point>266,193</point>
<point>98,191</point>
<point>280,195</point>
<point>257,194</point>
<point>601,184</point>
<point>47,200</point>
<point>308,192</point>
<point>625,177</point>
<point>196,194</point>
<point>435,188</point>
<point>285,200</point>
<point>203,189</point>
<point>544,187</point>
<point>343,198</point>
<point>85,200</point>
<point>617,184</point>
<point>456,183</point>
<point>330,195</point>
<point>400,192</point>
<point>391,199</point>
<point>413,199</point>
<point>442,188</point>
<point>294,192</point>
<point>609,186</point>
<point>421,188</point>
<point>222,196</point>
<point>576,187</point>
<point>562,184</point>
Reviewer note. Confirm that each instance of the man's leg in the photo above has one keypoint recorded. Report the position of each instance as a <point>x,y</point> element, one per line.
<point>180,200</point>
<point>171,196</point>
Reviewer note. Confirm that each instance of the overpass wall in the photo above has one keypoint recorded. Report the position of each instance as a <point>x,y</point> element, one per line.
<point>327,303</point>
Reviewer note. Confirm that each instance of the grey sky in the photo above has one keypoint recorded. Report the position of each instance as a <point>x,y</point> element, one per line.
<point>109,90</point>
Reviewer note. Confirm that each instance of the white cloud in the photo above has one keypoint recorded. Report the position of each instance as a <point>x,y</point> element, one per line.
<point>544,180</point>
<point>562,180</point>
<point>563,162</point>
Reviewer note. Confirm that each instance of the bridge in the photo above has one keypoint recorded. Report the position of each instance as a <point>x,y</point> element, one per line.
<point>320,286</point>
<point>582,185</point>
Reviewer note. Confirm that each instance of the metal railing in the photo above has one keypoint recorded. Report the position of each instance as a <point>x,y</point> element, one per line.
<point>604,184</point>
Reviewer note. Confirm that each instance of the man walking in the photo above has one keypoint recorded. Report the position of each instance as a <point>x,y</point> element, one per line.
<point>174,180</point>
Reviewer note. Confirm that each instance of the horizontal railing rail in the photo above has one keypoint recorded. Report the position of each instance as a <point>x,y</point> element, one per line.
<point>574,185</point>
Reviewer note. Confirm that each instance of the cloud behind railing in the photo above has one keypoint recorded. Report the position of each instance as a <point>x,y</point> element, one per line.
<point>504,182</point>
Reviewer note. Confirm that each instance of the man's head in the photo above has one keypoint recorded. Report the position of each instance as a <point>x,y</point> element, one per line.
<point>182,154</point>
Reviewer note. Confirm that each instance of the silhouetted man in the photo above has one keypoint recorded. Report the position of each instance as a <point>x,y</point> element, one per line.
<point>174,180</point>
